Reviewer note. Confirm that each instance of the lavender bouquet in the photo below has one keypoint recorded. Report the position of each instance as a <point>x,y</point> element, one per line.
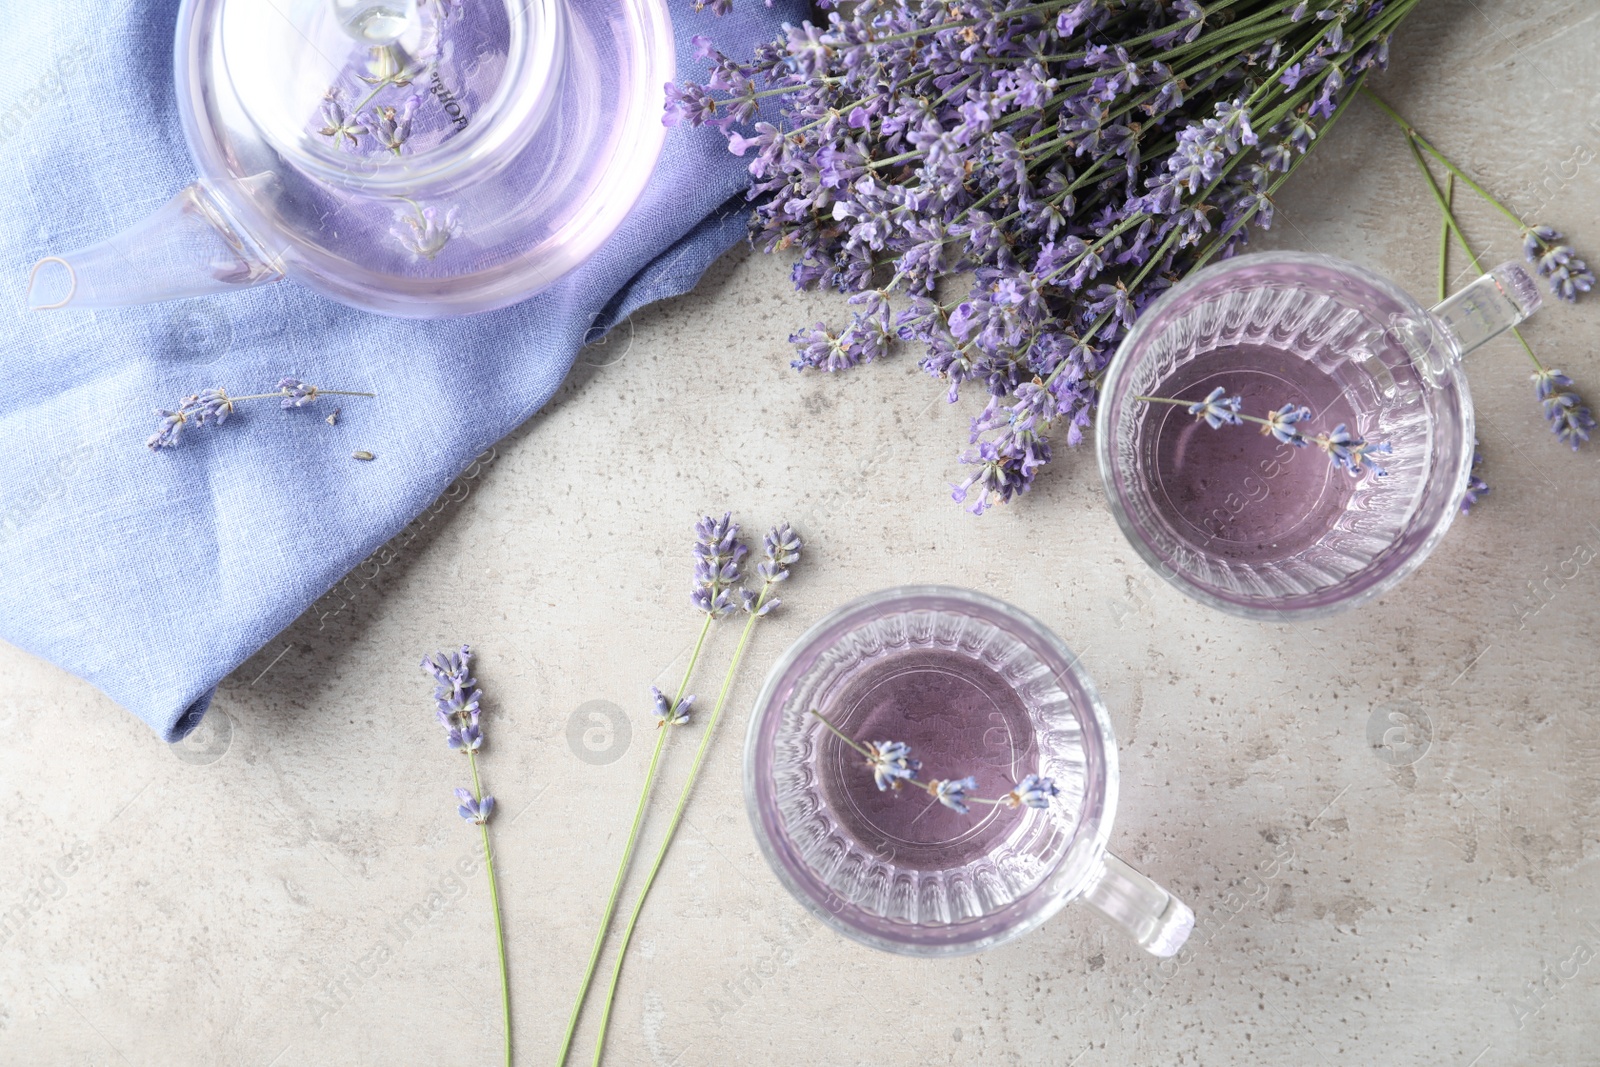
<point>1074,157</point>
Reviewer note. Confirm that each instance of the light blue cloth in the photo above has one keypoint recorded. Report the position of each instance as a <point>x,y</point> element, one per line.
<point>155,575</point>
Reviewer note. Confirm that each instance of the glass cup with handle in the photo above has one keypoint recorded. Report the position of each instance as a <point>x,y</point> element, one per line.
<point>976,688</point>
<point>1269,529</point>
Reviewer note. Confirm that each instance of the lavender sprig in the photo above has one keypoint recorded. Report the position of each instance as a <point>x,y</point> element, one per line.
<point>1476,486</point>
<point>456,698</point>
<point>718,556</point>
<point>892,767</point>
<point>1074,159</point>
<point>392,127</point>
<point>1569,417</point>
<point>780,548</point>
<point>715,540</point>
<point>1347,452</point>
<point>213,406</point>
<point>457,705</point>
<point>1556,262</point>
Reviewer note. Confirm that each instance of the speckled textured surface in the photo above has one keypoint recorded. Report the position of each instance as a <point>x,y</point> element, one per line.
<point>243,898</point>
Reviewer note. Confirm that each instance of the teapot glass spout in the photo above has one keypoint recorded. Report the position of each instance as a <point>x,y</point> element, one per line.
<point>187,248</point>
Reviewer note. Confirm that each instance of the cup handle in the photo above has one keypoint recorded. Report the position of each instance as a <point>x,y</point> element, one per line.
<point>1489,306</point>
<point>1156,920</point>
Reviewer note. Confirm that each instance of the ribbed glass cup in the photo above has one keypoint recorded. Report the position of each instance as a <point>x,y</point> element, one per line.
<point>975,687</point>
<point>1263,529</point>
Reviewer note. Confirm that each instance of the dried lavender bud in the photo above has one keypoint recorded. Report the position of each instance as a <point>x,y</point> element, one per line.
<point>457,697</point>
<point>666,711</point>
<point>891,763</point>
<point>344,129</point>
<point>1476,486</point>
<point>392,127</point>
<point>472,809</point>
<point>719,556</point>
<point>1033,791</point>
<point>425,232</point>
<point>296,394</point>
<point>781,547</point>
<point>1555,260</point>
<point>173,422</point>
<point>1218,410</point>
<point>1569,417</point>
<point>1281,423</point>
<point>952,792</point>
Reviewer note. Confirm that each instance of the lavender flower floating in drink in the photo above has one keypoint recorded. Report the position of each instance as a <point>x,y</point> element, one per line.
<point>1347,453</point>
<point>892,767</point>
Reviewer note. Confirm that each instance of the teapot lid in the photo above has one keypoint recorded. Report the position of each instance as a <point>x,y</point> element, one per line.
<point>424,157</point>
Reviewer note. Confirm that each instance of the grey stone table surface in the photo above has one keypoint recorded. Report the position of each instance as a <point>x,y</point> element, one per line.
<point>1386,822</point>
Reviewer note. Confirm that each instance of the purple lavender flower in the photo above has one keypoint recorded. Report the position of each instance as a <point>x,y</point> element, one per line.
<point>1033,791</point>
<point>1548,251</point>
<point>1353,454</point>
<point>392,127</point>
<point>1281,424</point>
<point>296,394</point>
<point>472,809</point>
<point>1218,410</point>
<point>668,713</point>
<point>1476,486</point>
<point>891,763</point>
<point>780,548</point>
<point>425,231</point>
<point>952,792</point>
<point>173,422</point>
<point>719,557</point>
<point>457,698</point>
<point>1569,417</point>
<point>214,405</point>
<point>343,128</point>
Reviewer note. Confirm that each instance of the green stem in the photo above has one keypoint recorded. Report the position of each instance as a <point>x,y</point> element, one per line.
<point>627,857</point>
<point>1420,141</point>
<point>1455,227</point>
<point>1444,238</point>
<point>494,900</point>
<point>677,817</point>
<point>841,735</point>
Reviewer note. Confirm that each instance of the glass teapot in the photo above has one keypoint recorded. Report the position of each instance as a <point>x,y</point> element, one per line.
<point>417,158</point>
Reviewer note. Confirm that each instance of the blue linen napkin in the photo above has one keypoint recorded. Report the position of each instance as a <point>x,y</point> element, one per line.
<point>153,575</point>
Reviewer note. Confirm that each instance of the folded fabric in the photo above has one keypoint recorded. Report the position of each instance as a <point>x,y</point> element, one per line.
<point>153,575</point>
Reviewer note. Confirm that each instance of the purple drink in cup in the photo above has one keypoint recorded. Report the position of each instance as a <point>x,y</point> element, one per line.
<point>976,688</point>
<point>1260,528</point>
